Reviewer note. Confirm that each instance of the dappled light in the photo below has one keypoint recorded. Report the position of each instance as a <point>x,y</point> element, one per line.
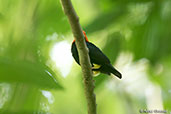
<point>38,74</point>
<point>61,55</point>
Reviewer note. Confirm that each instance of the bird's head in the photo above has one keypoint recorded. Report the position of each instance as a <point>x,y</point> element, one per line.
<point>85,36</point>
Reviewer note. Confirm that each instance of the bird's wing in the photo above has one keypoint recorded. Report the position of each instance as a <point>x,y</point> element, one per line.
<point>75,52</point>
<point>96,55</point>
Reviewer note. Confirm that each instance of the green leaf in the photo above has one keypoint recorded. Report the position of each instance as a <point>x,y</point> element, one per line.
<point>99,80</point>
<point>28,73</point>
<point>104,20</point>
<point>113,46</point>
<point>151,40</point>
<point>50,18</point>
<point>23,112</point>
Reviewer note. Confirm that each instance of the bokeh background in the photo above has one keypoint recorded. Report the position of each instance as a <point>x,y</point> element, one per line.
<point>37,71</point>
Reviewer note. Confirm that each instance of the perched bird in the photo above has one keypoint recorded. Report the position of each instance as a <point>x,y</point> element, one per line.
<point>99,61</point>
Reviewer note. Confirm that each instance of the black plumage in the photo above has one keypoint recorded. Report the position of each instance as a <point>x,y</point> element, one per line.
<point>96,58</point>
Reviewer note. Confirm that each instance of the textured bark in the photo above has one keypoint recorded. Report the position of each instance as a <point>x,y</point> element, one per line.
<point>83,55</point>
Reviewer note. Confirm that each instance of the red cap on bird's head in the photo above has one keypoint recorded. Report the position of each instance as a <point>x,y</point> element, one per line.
<point>84,33</point>
<point>85,36</point>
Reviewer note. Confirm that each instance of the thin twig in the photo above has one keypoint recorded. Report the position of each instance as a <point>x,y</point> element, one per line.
<point>83,55</point>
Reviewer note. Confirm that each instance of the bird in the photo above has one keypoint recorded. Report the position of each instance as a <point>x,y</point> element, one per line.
<point>99,61</point>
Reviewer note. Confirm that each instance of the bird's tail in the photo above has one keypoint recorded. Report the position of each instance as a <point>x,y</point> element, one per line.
<point>115,72</point>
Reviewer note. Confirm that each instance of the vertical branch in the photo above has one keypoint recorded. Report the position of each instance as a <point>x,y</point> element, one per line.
<point>83,55</point>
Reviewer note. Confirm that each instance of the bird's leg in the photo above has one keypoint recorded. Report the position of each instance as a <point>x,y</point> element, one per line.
<point>95,69</point>
<point>95,66</point>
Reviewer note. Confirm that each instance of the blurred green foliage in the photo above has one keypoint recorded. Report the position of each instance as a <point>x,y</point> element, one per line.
<point>25,72</point>
<point>30,82</point>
